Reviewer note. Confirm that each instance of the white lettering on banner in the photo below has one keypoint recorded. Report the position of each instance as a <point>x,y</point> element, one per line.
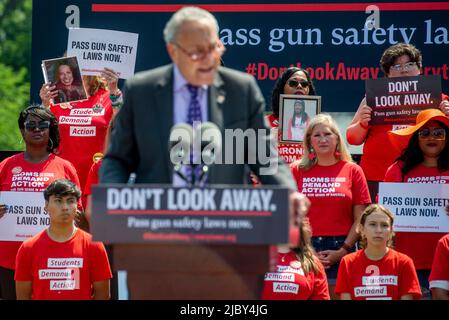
<point>83,131</point>
<point>62,285</point>
<point>86,112</point>
<point>32,184</point>
<point>55,274</point>
<point>75,120</point>
<point>65,262</point>
<point>377,280</point>
<point>285,287</point>
<point>274,276</point>
<point>370,291</point>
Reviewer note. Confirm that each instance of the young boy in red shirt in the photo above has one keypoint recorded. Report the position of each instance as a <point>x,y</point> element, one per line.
<point>62,262</point>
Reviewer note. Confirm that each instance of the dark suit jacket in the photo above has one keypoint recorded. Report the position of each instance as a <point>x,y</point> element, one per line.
<point>140,138</point>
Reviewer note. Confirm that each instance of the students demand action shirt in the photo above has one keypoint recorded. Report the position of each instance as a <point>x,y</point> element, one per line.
<point>386,279</point>
<point>16,174</point>
<point>62,270</point>
<point>83,126</point>
<point>333,191</point>
<point>420,246</point>
<point>289,282</point>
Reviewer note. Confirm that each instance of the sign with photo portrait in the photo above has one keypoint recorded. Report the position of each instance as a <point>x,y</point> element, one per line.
<point>64,73</point>
<point>295,113</point>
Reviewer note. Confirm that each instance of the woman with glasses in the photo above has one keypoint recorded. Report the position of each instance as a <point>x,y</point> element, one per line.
<point>292,81</point>
<point>30,171</point>
<point>426,155</point>
<point>337,191</point>
<point>399,60</point>
<point>83,124</point>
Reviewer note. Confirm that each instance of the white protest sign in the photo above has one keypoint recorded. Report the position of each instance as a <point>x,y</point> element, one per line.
<point>417,207</point>
<point>25,215</point>
<point>97,49</point>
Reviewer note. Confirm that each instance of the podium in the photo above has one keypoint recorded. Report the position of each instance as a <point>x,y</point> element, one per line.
<point>192,271</point>
<point>211,243</point>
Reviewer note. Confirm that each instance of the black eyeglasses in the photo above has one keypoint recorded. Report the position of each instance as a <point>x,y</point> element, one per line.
<point>216,48</point>
<point>294,83</point>
<point>436,133</point>
<point>41,125</point>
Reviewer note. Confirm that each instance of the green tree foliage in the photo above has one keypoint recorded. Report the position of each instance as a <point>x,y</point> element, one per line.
<point>15,34</point>
<point>15,63</point>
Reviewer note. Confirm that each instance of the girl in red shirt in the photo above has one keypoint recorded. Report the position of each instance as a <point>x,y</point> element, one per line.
<point>298,274</point>
<point>377,272</point>
<point>337,191</point>
<point>426,155</point>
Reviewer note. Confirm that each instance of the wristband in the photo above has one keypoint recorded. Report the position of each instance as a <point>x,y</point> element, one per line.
<point>363,126</point>
<point>346,246</point>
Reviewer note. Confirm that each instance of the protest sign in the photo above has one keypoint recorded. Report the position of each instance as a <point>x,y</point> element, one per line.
<point>25,215</point>
<point>97,49</point>
<point>227,214</point>
<point>65,75</point>
<point>417,207</point>
<point>399,100</point>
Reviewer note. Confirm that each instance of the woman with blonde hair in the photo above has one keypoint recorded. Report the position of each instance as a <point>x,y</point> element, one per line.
<point>337,190</point>
<point>377,271</point>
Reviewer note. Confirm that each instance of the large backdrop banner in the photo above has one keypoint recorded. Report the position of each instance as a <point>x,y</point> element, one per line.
<point>339,42</point>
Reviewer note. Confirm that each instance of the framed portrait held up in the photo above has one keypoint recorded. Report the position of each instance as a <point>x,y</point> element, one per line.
<point>295,113</point>
<point>64,73</point>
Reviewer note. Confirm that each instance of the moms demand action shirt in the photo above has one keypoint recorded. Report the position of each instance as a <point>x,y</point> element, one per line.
<point>17,174</point>
<point>62,270</point>
<point>420,246</point>
<point>386,279</point>
<point>333,191</point>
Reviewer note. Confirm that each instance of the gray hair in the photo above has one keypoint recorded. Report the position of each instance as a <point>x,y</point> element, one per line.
<point>183,15</point>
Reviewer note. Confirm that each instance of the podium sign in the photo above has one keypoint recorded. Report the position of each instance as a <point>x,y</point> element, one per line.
<point>167,214</point>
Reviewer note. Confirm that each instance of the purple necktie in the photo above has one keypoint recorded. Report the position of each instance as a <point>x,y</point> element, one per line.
<point>194,111</point>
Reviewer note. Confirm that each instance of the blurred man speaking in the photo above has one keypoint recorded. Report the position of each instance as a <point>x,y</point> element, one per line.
<point>194,88</point>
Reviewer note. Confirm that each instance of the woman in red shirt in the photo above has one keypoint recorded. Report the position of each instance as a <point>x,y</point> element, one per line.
<point>30,171</point>
<point>426,155</point>
<point>337,190</point>
<point>377,272</point>
<point>83,124</point>
<point>399,60</point>
<point>292,81</point>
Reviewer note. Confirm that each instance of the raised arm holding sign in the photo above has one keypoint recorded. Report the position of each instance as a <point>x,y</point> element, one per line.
<point>399,60</point>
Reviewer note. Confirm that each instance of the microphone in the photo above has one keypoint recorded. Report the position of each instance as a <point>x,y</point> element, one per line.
<point>179,144</point>
<point>211,147</point>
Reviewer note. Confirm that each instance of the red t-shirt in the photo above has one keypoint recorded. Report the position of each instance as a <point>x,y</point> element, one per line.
<point>62,270</point>
<point>290,283</point>
<point>379,152</point>
<point>420,246</point>
<point>16,174</point>
<point>439,276</point>
<point>92,177</point>
<point>386,279</point>
<point>289,152</point>
<point>83,126</point>
<point>333,192</point>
